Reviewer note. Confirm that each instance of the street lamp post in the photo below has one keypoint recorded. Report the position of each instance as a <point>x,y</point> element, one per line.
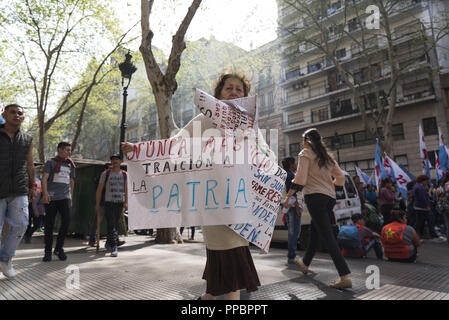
<point>127,69</point>
<point>336,145</point>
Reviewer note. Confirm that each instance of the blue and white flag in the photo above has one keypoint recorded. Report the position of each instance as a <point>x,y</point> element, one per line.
<point>438,170</point>
<point>425,163</point>
<point>401,178</point>
<point>364,178</point>
<point>378,166</point>
<point>443,155</point>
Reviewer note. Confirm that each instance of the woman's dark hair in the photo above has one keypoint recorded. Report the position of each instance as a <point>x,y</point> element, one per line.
<point>287,163</point>
<point>410,185</point>
<point>231,75</point>
<point>318,146</point>
<point>422,178</point>
<point>385,181</point>
<point>397,215</point>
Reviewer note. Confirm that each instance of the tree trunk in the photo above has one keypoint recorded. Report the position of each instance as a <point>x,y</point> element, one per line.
<point>41,146</point>
<point>164,85</point>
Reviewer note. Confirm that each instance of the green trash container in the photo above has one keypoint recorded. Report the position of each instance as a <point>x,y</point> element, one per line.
<point>83,205</point>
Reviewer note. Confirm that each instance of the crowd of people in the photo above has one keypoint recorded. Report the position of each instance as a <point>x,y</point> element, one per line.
<point>394,225</point>
<point>425,206</point>
<point>388,223</point>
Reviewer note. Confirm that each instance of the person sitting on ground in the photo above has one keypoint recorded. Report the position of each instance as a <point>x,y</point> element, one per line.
<point>367,240</point>
<point>373,219</point>
<point>399,240</point>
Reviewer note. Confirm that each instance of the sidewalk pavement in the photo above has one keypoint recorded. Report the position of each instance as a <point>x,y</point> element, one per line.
<point>145,270</point>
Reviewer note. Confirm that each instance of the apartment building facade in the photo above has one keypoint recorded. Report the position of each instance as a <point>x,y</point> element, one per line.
<point>314,93</point>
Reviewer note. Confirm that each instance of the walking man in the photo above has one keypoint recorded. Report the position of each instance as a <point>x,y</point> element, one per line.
<point>292,214</point>
<point>17,185</point>
<point>57,194</point>
<point>113,185</point>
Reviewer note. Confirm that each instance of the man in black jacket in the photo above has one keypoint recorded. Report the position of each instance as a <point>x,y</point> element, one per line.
<point>17,183</point>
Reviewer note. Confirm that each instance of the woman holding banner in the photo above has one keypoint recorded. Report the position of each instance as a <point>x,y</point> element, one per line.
<point>317,175</point>
<point>229,265</point>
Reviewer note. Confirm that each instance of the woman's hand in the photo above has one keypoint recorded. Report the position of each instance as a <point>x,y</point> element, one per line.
<point>127,147</point>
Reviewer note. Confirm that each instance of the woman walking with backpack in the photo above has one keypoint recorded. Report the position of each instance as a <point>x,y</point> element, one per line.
<point>317,175</point>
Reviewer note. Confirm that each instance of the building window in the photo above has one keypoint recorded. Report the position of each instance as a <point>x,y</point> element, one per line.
<point>346,141</point>
<point>270,99</point>
<point>295,118</point>
<point>367,166</point>
<point>341,108</point>
<point>315,66</point>
<point>353,24</point>
<point>294,149</point>
<point>402,160</point>
<point>361,138</point>
<point>397,132</point>
<point>339,54</point>
<point>262,101</point>
<point>320,114</point>
<point>292,74</point>
<point>416,89</point>
<point>430,127</point>
<point>432,158</point>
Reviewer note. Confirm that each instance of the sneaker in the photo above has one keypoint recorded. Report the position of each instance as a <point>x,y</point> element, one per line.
<point>47,257</point>
<point>61,255</point>
<point>439,239</point>
<point>108,247</point>
<point>120,243</point>
<point>7,269</point>
<point>114,252</point>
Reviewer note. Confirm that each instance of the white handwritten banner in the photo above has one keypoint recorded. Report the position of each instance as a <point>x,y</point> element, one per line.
<point>169,188</point>
<point>267,180</point>
<point>267,191</point>
<point>238,114</point>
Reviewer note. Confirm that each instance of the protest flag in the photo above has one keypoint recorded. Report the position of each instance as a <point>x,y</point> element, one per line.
<point>438,170</point>
<point>364,178</point>
<point>400,177</point>
<point>443,155</point>
<point>425,163</point>
<point>378,166</point>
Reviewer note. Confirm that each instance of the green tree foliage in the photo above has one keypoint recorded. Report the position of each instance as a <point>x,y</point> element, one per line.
<point>50,44</point>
